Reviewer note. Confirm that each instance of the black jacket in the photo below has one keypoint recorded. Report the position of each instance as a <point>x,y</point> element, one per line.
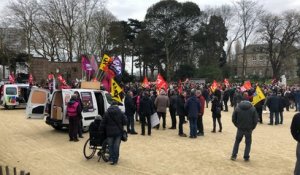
<point>273,103</point>
<point>146,106</point>
<point>295,127</point>
<point>113,122</point>
<point>180,105</point>
<point>129,106</point>
<point>173,105</point>
<point>216,107</point>
<point>244,116</point>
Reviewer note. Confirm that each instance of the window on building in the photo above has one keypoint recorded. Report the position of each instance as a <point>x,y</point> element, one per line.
<point>254,59</point>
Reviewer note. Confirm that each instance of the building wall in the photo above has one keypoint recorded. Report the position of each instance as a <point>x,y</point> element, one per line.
<point>40,68</point>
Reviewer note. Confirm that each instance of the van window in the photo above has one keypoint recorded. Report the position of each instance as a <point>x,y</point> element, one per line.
<point>11,91</point>
<point>87,102</point>
<point>109,98</point>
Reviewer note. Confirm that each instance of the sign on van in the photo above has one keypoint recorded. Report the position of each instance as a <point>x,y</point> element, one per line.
<point>90,85</point>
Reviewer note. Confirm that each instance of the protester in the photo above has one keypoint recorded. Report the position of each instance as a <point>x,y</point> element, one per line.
<point>295,131</point>
<point>244,118</point>
<point>73,113</point>
<point>200,116</point>
<point>180,102</point>
<point>130,109</point>
<point>161,104</point>
<point>146,110</point>
<point>216,109</point>
<point>259,109</point>
<point>273,103</point>
<point>112,123</point>
<point>80,126</point>
<point>297,99</point>
<point>192,106</point>
<point>172,108</point>
<point>205,94</point>
<point>226,98</point>
<point>282,104</point>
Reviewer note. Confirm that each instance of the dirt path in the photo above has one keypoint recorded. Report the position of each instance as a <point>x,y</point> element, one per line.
<point>32,145</point>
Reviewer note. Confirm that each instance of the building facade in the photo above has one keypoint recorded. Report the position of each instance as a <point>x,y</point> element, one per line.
<point>257,63</point>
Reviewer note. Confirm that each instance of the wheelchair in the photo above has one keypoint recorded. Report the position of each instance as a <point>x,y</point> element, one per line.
<point>97,141</point>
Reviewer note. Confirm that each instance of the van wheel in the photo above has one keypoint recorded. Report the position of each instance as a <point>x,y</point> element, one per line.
<point>57,127</point>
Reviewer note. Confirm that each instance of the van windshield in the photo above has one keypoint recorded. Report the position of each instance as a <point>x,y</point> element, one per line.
<point>11,91</point>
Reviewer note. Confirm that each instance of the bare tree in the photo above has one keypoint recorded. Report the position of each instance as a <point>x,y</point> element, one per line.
<point>248,12</point>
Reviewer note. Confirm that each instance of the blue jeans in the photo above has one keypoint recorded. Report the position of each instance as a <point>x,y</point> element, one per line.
<point>114,148</point>
<point>272,117</point>
<point>193,126</point>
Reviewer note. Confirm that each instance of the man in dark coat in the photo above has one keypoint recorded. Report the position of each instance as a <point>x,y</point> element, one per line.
<point>172,108</point>
<point>295,131</point>
<point>226,98</point>
<point>181,112</point>
<point>200,117</point>
<point>192,106</point>
<point>113,122</point>
<point>245,119</point>
<point>129,112</point>
<point>273,103</point>
<point>146,110</point>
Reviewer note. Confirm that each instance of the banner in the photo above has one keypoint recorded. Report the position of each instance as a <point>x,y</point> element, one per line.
<point>94,63</point>
<point>85,64</point>
<point>226,82</point>
<point>161,83</point>
<point>258,96</point>
<point>11,78</point>
<point>115,67</point>
<point>115,91</point>
<point>246,86</point>
<point>146,83</point>
<point>105,62</point>
<point>214,86</point>
<point>30,79</point>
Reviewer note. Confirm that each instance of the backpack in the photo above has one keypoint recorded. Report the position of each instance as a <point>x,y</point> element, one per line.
<point>72,109</point>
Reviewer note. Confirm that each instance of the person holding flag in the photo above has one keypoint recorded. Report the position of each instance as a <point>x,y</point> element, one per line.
<point>258,101</point>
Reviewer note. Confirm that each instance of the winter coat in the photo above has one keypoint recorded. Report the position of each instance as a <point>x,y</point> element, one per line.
<point>129,106</point>
<point>216,108</point>
<point>273,103</point>
<point>244,116</point>
<point>113,122</point>
<point>173,100</point>
<point>237,98</point>
<point>202,104</point>
<point>161,103</point>
<point>192,106</point>
<point>297,96</point>
<point>295,127</point>
<point>282,103</point>
<point>79,109</point>
<point>180,105</point>
<point>146,106</point>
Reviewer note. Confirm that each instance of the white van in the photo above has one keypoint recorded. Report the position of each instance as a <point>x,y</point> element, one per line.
<point>14,95</point>
<point>95,102</point>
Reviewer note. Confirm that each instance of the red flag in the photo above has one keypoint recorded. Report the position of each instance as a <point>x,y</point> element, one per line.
<point>11,78</point>
<point>214,86</point>
<point>146,83</point>
<point>63,82</point>
<point>50,77</point>
<point>226,82</point>
<point>161,83</point>
<point>30,79</point>
<point>179,87</point>
<point>246,86</point>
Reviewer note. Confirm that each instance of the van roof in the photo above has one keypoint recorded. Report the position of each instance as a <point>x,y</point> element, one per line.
<point>80,90</point>
<point>14,85</point>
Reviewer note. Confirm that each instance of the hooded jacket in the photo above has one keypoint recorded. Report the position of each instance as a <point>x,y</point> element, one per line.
<point>245,116</point>
<point>192,107</point>
<point>113,121</point>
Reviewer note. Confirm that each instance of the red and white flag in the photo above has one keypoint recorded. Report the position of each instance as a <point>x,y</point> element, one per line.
<point>214,86</point>
<point>11,78</point>
<point>226,82</point>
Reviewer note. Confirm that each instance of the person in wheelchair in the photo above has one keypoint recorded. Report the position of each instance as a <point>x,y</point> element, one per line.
<point>112,124</point>
<point>96,135</point>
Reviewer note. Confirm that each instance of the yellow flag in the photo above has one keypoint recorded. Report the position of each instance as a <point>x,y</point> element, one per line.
<point>104,62</point>
<point>115,91</point>
<point>258,96</point>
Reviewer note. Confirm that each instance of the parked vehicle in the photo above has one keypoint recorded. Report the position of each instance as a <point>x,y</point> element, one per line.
<point>14,95</point>
<point>95,102</point>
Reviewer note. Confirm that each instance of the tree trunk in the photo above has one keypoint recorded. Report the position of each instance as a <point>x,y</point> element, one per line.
<point>244,61</point>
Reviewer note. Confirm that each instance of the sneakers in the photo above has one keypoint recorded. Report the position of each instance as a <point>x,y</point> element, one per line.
<point>233,158</point>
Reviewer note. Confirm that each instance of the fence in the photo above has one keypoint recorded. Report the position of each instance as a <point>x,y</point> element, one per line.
<point>5,171</point>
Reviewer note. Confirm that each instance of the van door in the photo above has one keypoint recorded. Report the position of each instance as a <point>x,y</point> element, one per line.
<point>37,102</point>
<point>89,107</point>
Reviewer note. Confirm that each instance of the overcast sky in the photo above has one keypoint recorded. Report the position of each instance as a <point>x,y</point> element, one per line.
<point>136,9</point>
